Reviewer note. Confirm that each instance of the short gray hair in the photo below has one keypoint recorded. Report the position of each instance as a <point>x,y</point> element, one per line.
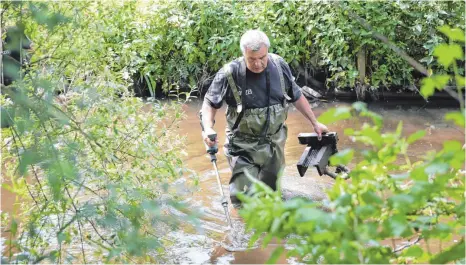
<point>253,39</point>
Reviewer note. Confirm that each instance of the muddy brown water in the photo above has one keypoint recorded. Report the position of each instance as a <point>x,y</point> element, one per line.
<point>311,185</point>
<point>204,244</point>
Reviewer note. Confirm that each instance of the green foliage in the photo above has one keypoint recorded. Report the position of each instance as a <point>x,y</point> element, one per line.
<point>164,45</point>
<point>388,198</point>
<point>90,167</point>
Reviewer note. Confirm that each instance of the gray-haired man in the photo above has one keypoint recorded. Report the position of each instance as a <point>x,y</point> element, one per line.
<point>257,89</point>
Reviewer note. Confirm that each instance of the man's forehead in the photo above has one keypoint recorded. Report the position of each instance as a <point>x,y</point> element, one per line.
<point>257,54</point>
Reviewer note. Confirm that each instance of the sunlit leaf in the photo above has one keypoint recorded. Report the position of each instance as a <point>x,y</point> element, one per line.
<point>335,114</point>
<point>457,117</point>
<point>460,81</point>
<point>413,251</point>
<point>342,158</point>
<point>419,173</point>
<point>429,84</point>
<point>448,54</point>
<point>416,136</point>
<point>275,225</point>
<point>452,146</point>
<point>454,34</point>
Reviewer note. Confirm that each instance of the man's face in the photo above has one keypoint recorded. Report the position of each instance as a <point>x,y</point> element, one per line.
<point>256,61</point>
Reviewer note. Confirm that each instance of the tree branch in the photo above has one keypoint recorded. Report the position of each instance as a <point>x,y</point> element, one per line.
<point>407,245</point>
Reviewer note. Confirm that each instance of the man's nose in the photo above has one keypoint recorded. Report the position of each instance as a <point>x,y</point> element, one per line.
<point>257,63</point>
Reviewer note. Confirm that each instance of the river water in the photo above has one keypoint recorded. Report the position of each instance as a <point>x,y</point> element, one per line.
<point>205,244</point>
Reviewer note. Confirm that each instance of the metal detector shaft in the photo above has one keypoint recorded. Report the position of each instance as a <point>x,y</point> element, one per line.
<point>213,158</point>
<point>224,199</point>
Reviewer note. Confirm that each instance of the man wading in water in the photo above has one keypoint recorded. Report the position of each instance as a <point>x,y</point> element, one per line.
<point>257,89</point>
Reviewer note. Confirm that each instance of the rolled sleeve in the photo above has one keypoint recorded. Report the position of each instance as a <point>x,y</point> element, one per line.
<point>293,90</point>
<point>217,90</point>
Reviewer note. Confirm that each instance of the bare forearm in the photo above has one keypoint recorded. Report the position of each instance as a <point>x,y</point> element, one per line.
<point>208,115</point>
<point>303,106</point>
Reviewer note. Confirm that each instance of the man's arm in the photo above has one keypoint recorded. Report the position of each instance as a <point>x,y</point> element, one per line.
<point>208,120</point>
<point>303,106</point>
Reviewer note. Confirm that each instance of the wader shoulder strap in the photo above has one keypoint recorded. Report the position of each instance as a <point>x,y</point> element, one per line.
<point>276,60</point>
<point>236,92</point>
<point>267,121</point>
<point>234,89</point>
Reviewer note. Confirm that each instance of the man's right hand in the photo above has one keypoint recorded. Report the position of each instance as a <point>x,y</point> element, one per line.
<point>206,133</point>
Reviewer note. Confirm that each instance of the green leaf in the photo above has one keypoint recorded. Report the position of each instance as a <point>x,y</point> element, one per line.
<point>453,253</point>
<point>371,197</point>
<point>413,251</point>
<point>399,128</point>
<point>293,204</point>
<point>365,211</point>
<point>419,173</point>
<point>13,227</point>
<point>29,157</point>
<point>429,84</point>
<point>335,114</point>
<point>448,54</point>
<point>55,183</point>
<point>308,214</point>
<point>454,34</point>
<point>62,237</point>
<point>401,202</point>
<point>275,225</point>
<point>460,81</point>
<point>452,146</point>
<point>440,230</point>
<point>398,224</point>
<point>427,87</point>
<point>457,117</point>
<point>275,255</point>
<point>266,240</point>
<point>342,158</point>
<point>343,200</point>
<point>416,136</point>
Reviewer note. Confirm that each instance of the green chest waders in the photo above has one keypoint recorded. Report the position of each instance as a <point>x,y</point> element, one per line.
<point>255,138</point>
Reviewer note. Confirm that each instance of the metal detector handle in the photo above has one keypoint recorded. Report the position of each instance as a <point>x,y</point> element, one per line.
<point>212,150</point>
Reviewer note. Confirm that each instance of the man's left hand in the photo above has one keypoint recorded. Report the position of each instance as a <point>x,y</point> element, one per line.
<point>319,128</point>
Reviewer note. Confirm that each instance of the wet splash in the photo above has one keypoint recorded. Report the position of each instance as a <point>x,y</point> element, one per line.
<point>237,239</point>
